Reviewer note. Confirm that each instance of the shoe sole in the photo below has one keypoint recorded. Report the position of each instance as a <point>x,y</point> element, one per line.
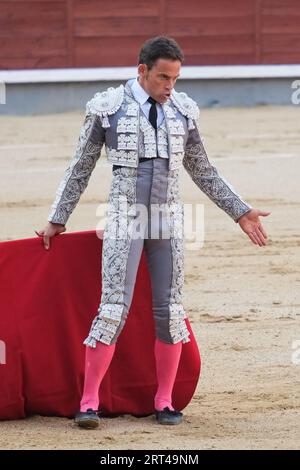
<point>169,423</point>
<point>87,423</point>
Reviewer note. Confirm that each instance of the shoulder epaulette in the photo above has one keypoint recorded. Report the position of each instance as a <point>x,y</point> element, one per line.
<point>106,103</point>
<point>186,106</point>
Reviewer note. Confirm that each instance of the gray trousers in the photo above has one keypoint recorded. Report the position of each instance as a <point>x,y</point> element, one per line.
<point>146,185</point>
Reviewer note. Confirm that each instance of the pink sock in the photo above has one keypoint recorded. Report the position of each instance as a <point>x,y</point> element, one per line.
<point>167,359</point>
<point>97,361</point>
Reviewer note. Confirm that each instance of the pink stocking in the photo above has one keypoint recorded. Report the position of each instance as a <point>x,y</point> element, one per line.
<point>97,361</point>
<point>167,359</point>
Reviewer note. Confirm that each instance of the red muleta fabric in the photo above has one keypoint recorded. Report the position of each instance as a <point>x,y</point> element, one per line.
<point>48,300</point>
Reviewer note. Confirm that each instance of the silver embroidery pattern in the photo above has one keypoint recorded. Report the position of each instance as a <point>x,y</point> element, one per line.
<point>77,174</point>
<point>169,112</point>
<point>162,141</point>
<point>175,131</point>
<point>105,329</point>
<point>177,159</point>
<point>176,127</point>
<point>116,245</point>
<point>132,109</point>
<point>207,178</point>
<point>106,103</point>
<point>121,157</point>
<point>150,150</point>
<point>177,144</point>
<point>127,125</point>
<point>147,145</point>
<point>170,135</point>
<point>124,151</point>
<point>178,328</point>
<point>127,142</point>
<point>186,106</point>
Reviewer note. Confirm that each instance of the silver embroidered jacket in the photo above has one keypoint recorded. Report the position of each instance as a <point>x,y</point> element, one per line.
<point>114,118</point>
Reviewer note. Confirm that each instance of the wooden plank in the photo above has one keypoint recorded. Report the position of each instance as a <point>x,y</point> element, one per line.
<point>219,59</point>
<point>280,7</point>
<point>288,43</point>
<point>103,8</point>
<point>210,26</point>
<point>280,24</point>
<point>32,20</point>
<point>32,47</point>
<point>117,27</point>
<point>218,45</point>
<point>27,29</point>
<point>89,32</point>
<point>97,52</point>
<point>70,33</point>
<point>287,57</point>
<point>31,10</point>
<point>33,1</point>
<point>205,8</point>
<point>257,38</point>
<point>11,11</point>
<point>33,62</point>
<point>38,30</point>
<point>163,16</point>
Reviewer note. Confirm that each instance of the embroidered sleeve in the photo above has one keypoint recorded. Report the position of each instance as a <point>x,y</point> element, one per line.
<point>208,179</point>
<point>79,170</point>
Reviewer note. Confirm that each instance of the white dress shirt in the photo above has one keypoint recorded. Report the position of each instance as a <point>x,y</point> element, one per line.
<point>141,96</point>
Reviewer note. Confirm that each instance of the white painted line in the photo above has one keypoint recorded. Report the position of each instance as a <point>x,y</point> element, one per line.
<point>124,73</point>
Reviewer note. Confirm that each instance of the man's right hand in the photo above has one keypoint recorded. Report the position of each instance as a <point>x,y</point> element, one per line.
<point>49,231</point>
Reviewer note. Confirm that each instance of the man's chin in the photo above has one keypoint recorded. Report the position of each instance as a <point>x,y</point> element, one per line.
<point>164,99</point>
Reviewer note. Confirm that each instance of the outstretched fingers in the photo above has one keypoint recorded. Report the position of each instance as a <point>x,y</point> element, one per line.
<point>257,238</point>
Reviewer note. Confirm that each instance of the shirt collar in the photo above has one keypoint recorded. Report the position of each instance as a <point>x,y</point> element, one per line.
<point>139,93</point>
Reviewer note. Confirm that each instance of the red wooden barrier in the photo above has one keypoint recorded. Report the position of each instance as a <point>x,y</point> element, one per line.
<point>97,33</point>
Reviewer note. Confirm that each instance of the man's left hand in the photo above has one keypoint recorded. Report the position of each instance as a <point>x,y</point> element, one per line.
<point>251,225</point>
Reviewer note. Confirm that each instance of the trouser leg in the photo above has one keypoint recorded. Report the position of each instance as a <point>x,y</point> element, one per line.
<point>165,262</point>
<point>121,256</point>
<point>159,261</point>
<point>165,257</point>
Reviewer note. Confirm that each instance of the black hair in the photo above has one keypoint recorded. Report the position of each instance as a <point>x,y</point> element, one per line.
<point>160,47</point>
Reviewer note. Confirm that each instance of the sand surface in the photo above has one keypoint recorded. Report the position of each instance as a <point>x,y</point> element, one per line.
<point>243,301</point>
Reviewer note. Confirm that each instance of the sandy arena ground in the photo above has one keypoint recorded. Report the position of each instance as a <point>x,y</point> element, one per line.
<point>243,300</point>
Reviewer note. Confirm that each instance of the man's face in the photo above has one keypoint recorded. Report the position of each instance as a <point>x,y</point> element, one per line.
<point>159,81</point>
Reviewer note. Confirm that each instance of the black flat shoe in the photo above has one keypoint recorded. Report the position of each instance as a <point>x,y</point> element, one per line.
<point>88,419</point>
<point>167,416</point>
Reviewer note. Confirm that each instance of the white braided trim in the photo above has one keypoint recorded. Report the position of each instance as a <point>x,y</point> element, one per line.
<point>106,103</point>
<point>105,325</point>
<point>186,105</point>
<point>178,328</point>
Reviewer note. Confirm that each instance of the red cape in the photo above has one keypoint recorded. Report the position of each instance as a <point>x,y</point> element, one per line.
<point>47,302</point>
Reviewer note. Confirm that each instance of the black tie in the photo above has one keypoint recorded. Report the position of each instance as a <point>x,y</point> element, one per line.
<point>153,112</point>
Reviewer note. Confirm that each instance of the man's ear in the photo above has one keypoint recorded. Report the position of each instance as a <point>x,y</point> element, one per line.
<point>142,69</point>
